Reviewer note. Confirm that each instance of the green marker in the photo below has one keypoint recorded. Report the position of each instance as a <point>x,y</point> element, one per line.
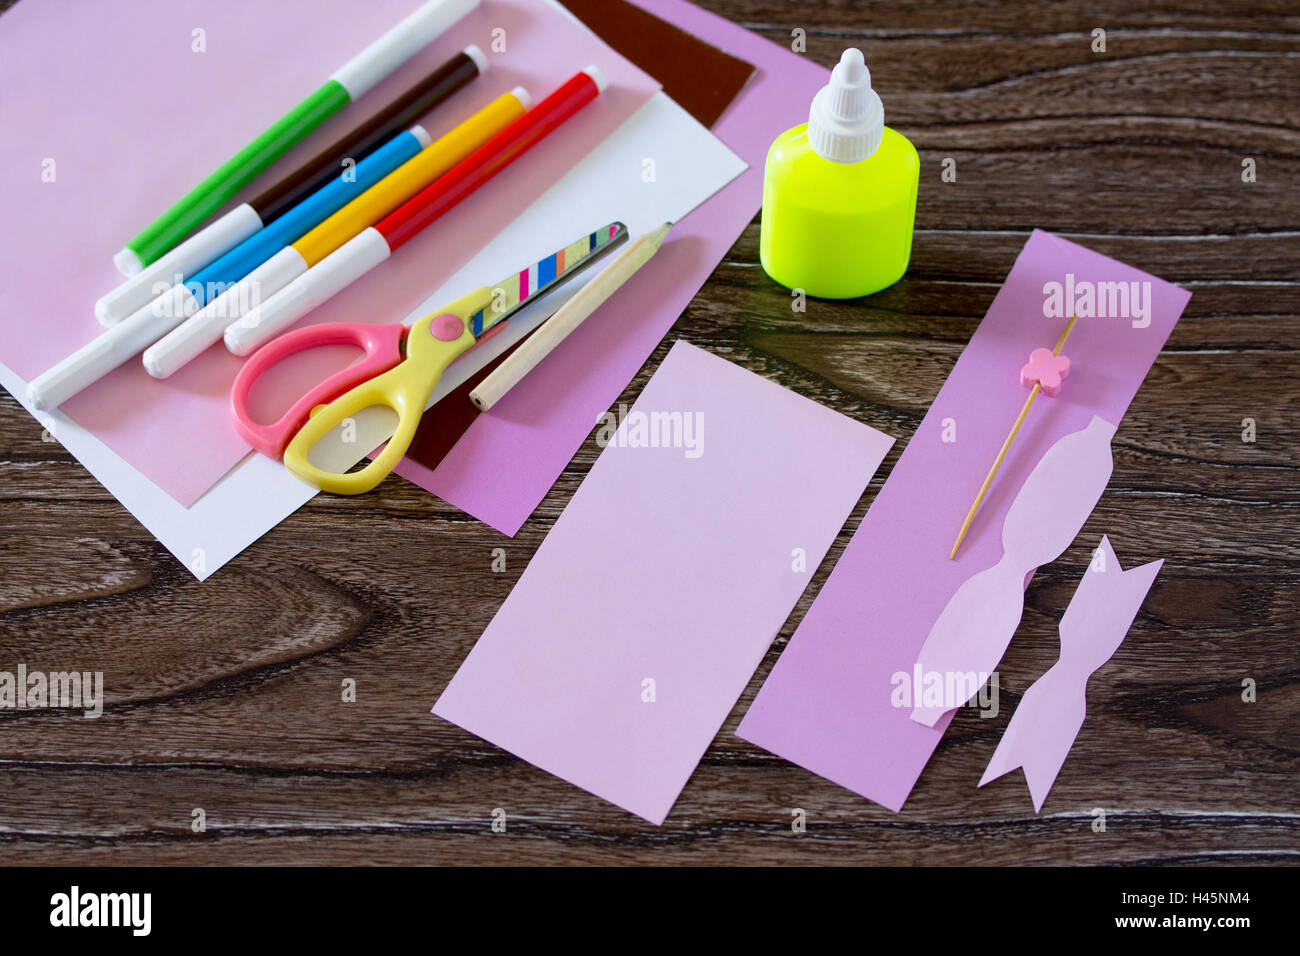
<point>352,80</point>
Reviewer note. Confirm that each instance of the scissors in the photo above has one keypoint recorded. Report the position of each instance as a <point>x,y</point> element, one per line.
<point>400,367</point>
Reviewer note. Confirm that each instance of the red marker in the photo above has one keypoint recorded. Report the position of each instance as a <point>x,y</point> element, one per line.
<point>489,159</point>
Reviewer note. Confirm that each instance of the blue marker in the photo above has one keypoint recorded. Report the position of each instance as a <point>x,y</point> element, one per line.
<point>262,249</point>
<point>210,281</point>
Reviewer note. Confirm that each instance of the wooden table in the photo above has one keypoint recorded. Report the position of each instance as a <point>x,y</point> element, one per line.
<point>226,696</point>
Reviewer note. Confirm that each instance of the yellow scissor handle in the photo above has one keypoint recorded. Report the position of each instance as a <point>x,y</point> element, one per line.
<point>433,343</point>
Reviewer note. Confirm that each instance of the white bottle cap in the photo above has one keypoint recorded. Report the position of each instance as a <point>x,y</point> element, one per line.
<point>846,121</point>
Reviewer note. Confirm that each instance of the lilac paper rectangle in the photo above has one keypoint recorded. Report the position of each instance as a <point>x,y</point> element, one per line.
<point>641,618</point>
<point>830,703</point>
<point>507,461</point>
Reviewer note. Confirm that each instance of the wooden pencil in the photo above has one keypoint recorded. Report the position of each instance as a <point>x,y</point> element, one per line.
<point>572,314</point>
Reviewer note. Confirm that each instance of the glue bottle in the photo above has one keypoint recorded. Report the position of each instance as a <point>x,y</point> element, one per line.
<point>839,193</point>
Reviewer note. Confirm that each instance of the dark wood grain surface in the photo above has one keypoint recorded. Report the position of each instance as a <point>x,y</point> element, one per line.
<point>225,695</point>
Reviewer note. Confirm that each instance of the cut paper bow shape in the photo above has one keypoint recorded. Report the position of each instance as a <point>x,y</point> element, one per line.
<point>1047,369</point>
<point>977,624</point>
<point>1044,726</point>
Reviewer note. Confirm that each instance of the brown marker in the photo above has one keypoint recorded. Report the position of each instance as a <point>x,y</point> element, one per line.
<point>370,135</point>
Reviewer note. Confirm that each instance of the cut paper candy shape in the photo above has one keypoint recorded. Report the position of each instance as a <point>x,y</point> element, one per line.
<point>975,627</point>
<point>1046,723</point>
<point>644,613</point>
<point>829,703</point>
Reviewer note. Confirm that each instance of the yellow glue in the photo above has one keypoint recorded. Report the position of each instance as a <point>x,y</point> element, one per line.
<point>839,194</point>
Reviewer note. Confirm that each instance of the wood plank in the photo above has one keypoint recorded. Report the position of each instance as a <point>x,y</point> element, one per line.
<point>228,695</point>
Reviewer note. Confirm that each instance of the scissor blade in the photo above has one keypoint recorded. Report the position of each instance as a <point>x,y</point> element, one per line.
<point>520,289</point>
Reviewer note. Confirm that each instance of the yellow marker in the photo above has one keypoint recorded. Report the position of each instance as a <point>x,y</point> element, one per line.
<point>408,179</point>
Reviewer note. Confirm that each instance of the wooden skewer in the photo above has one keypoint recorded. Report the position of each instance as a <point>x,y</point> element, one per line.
<point>569,317</point>
<point>1015,430</point>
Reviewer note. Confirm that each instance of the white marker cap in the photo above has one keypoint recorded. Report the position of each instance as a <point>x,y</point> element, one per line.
<point>127,262</point>
<point>183,261</point>
<point>598,75</point>
<point>111,348</point>
<point>422,134</point>
<point>332,274</point>
<point>192,337</point>
<point>399,44</point>
<point>523,96</point>
<point>478,56</point>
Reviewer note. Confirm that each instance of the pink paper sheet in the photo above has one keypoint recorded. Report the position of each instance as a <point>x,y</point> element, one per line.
<point>828,704</point>
<point>133,118</point>
<point>507,461</point>
<point>666,568</point>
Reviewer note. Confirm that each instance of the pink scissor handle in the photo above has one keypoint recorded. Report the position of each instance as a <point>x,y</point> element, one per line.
<point>383,348</point>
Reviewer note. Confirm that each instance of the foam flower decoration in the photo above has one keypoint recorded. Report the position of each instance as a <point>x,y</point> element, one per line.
<point>1045,369</point>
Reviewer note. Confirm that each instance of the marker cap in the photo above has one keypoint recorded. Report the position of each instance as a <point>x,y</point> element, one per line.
<point>127,262</point>
<point>475,53</point>
<point>598,76</point>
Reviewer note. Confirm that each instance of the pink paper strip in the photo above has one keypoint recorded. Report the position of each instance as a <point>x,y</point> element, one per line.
<point>829,703</point>
<point>641,618</point>
<point>132,117</point>
<point>506,463</point>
